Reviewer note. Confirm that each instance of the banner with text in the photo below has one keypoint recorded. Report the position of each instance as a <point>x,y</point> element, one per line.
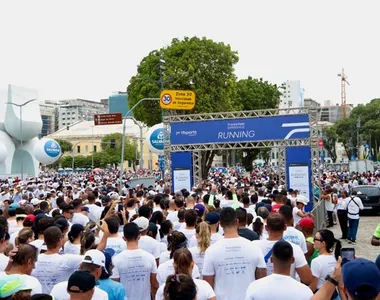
<point>281,127</point>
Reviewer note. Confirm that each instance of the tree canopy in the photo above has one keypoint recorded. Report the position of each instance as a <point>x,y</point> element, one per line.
<point>207,68</point>
<point>65,145</point>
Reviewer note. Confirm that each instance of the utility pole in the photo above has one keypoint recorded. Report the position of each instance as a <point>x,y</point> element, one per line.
<point>162,68</point>
<point>357,137</point>
<point>343,82</point>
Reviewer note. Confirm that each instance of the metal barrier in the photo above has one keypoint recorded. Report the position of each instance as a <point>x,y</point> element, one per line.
<point>319,213</point>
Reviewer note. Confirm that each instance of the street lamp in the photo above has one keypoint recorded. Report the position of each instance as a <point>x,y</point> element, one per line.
<point>123,137</point>
<point>21,106</point>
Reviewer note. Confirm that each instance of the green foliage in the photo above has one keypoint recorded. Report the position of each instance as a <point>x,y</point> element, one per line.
<point>256,94</point>
<point>112,155</point>
<point>65,145</point>
<point>330,137</point>
<point>201,65</point>
<point>369,131</point>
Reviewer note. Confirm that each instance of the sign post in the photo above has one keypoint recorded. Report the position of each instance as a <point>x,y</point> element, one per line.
<point>177,99</point>
<point>108,119</point>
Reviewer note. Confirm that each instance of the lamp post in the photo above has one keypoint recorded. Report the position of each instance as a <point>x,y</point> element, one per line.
<point>123,136</point>
<point>21,106</point>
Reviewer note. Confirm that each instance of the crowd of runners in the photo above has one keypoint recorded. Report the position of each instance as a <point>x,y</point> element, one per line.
<point>234,236</point>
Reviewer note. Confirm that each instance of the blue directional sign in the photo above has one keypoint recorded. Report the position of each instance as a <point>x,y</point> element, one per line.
<point>240,130</point>
<point>161,162</point>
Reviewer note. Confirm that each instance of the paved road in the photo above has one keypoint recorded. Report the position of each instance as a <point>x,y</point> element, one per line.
<point>363,247</point>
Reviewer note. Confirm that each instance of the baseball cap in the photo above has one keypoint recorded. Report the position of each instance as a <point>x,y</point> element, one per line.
<point>212,218</point>
<point>361,277</point>
<point>85,208</point>
<point>30,218</point>
<point>306,223</point>
<point>301,199</point>
<point>200,209</point>
<point>11,284</point>
<point>108,253</point>
<point>81,282</point>
<point>13,206</point>
<point>94,257</point>
<point>35,201</point>
<point>142,223</point>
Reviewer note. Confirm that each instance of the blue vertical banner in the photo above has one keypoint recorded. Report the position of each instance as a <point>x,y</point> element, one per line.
<point>298,172</point>
<point>182,170</point>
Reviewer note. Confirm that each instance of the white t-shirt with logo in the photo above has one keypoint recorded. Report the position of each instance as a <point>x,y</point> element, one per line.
<point>321,266</point>
<point>4,260</point>
<point>233,262</point>
<point>296,237</point>
<point>117,244</point>
<point>30,280</point>
<point>59,292</point>
<point>150,245</point>
<point>299,257</point>
<point>278,286</point>
<point>204,290</point>
<point>55,268</point>
<point>166,269</point>
<point>134,268</point>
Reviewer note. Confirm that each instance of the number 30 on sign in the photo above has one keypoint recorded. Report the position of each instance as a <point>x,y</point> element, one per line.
<point>177,99</point>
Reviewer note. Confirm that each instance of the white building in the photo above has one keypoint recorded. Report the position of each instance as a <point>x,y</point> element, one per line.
<point>292,94</point>
<point>74,110</point>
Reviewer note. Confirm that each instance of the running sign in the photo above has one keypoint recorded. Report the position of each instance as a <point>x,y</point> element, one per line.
<point>177,100</point>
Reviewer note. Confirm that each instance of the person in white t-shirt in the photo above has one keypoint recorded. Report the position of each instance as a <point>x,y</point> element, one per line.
<point>135,268</point>
<point>93,262</point>
<point>52,267</point>
<point>23,264</point>
<point>183,264</point>
<point>81,286</point>
<point>276,227</point>
<point>115,241</point>
<point>78,217</point>
<point>292,234</point>
<point>73,245</point>
<point>279,285</point>
<point>203,234</point>
<point>298,211</point>
<point>324,263</point>
<point>94,210</point>
<point>147,243</point>
<point>232,263</point>
<point>190,220</point>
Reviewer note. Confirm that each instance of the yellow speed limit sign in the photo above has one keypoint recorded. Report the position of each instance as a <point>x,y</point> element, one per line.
<point>177,99</point>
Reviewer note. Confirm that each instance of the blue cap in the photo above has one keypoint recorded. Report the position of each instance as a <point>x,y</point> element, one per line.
<point>361,277</point>
<point>108,253</point>
<point>212,218</point>
<point>11,284</point>
<point>13,206</point>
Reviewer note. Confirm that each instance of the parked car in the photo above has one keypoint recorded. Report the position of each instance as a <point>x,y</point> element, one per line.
<point>370,196</point>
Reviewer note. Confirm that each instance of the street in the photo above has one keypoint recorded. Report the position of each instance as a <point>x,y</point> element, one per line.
<point>363,247</point>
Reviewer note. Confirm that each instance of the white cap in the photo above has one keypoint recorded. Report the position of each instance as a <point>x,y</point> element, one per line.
<point>302,199</point>
<point>142,223</point>
<point>95,257</point>
<point>35,201</point>
<point>152,193</point>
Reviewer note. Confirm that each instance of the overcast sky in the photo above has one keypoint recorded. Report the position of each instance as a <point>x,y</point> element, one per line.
<point>88,49</point>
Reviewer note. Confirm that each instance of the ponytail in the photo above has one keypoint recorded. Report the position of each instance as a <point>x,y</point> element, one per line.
<point>204,236</point>
<point>331,242</point>
<point>180,287</point>
<point>338,248</point>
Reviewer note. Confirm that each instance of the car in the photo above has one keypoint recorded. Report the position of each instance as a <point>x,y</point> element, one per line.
<point>370,196</point>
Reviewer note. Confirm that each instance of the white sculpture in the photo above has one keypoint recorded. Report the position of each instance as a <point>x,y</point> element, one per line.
<point>21,150</point>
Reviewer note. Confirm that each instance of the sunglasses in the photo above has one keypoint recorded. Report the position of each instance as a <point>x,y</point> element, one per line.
<point>319,240</point>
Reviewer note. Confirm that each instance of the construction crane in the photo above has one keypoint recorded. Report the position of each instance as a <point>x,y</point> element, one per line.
<point>343,82</point>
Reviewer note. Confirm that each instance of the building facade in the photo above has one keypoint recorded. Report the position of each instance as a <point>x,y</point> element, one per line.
<point>292,94</point>
<point>48,116</point>
<point>118,103</point>
<point>68,112</point>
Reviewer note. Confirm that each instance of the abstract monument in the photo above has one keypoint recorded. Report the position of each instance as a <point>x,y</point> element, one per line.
<point>21,151</point>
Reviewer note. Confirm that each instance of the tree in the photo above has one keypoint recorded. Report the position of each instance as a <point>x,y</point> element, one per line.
<point>201,65</point>
<point>65,145</point>
<point>112,155</point>
<point>329,139</point>
<point>254,94</point>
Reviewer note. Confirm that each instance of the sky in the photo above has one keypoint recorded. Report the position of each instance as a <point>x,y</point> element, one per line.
<point>89,49</point>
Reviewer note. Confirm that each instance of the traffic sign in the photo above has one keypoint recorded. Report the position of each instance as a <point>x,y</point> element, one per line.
<point>177,99</point>
<point>108,119</point>
<point>161,162</point>
<point>320,143</point>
